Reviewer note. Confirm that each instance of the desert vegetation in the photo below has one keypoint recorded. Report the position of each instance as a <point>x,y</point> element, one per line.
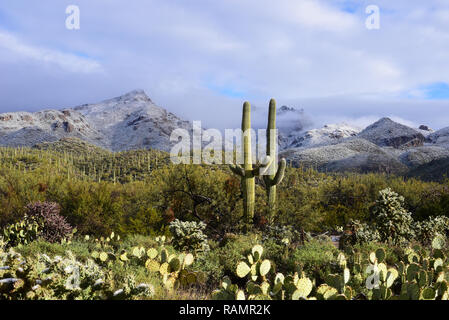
<point>81,222</point>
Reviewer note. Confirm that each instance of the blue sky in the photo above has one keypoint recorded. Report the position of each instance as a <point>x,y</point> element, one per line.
<point>436,91</point>
<point>201,59</point>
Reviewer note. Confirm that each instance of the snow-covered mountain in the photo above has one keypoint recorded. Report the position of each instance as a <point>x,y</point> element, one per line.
<point>352,154</point>
<point>387,133</point>
<point>440,137</point>
<point>130,121</point>
<point>385,146</point>
<point>329,134</point>
<point>28,129</point>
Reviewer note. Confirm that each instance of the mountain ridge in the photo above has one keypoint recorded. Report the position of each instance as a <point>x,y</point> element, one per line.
<point>133,121</point>
<point>129,121</point>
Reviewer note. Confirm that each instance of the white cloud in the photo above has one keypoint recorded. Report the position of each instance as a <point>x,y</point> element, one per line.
<point>68,62</point>
<point>316,15</point>
<point>308,52</point>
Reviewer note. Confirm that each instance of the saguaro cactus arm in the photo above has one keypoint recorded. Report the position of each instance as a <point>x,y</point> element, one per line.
<point>261,167</point>
<point>280,172</point>
<point>238,170</point>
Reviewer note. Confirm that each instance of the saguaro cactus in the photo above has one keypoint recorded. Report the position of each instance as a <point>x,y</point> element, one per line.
<point>277,172</point>
<point>248,172</point>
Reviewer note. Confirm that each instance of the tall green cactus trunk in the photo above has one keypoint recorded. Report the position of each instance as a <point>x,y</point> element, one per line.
<point>247,171</point>
<point>277,172</point>
<point>248,180</point>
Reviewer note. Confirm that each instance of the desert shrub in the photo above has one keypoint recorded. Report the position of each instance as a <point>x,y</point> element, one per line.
<point>280,255</point>
<point>95,208</point>
<point>283,234</point>
<point>131,192</point>
<point>144,221</point>
<point>434,202</point>
<point>138,240</point>
<point>210,263</point>
<point>356,232</point>
<point>316,258</point>
<point>280,242</point>
<point>81,249</point>
<point>232,249</point>
<point>189,236</point>
<point>55,227</point>
<point>391,220</point>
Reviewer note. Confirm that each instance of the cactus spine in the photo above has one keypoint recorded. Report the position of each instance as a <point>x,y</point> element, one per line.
<point>277,172</point>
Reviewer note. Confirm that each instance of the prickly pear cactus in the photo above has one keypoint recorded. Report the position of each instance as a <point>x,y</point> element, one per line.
<point>417,276</point>
<point>22,232</point>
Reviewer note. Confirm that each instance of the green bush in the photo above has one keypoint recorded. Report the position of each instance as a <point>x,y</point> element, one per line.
<point>316,258</point>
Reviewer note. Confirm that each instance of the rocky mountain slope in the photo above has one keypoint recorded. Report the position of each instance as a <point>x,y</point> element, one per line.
<point>385,146</point>
<point>131,121</point>
<point>329,134</point>
<point>436,170</point>
<point>440,137</point>
<point>28,129</point>
<point>387,133</point>
<point>353,154</point>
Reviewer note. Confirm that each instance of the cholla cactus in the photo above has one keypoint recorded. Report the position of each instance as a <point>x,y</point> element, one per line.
<point>392,221</point>
<point>189,236</point>
<point>427,230</point>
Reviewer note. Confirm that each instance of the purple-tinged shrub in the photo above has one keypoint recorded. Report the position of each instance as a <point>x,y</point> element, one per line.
<point>55,226</point>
